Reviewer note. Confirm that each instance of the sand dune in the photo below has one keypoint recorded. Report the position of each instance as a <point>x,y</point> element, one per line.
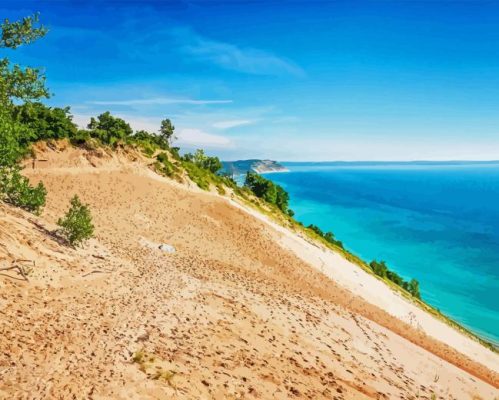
<point>238,311</point>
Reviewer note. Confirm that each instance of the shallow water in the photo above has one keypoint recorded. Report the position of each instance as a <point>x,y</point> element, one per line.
<point>438,223</point>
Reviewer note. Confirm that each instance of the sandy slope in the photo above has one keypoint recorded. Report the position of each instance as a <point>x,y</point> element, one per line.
<point>234,313</point>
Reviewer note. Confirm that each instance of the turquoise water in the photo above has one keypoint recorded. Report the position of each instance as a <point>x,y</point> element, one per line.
<point>438,223</point>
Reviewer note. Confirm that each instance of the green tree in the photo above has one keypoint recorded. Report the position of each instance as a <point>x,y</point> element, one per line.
<point>25,31</point>
<point>11,133</point>
<point>44,122</point>
<point>109,129</point>
<point>282,198</point>
<point>212,164</point>
<point>76,226</point>
<point>267,190</point>
<point>413,288</point>
<point>167,131</point>
<point>17,84</point>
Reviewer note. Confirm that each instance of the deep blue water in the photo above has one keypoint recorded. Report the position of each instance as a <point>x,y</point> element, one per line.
<point>438,223</point>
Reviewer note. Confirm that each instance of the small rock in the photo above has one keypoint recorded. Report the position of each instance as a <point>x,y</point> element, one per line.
<point>167,248</point>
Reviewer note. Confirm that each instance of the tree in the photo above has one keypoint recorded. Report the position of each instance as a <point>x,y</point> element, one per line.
<point>267,190</point>
<point>17,84</point>
<point>379,268</point>
<point>26,31</point>
<point>76,226</point>
<point>44,122</point>
<point>200,159</point>
<point>212,164</point>
<point>167,131</point>
<point>282,198</point>
<point>413,288</point>
<point>109,129</point>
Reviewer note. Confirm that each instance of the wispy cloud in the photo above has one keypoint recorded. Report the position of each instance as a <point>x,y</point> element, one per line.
<point>230,56</point>
<point>157,101</point>
<point>197,137</point>
<point>232,123</point>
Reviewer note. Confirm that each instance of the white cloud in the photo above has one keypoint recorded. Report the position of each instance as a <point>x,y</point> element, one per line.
<point>197,137</point>
<point>157,101</point>
<point>229,56</point>
<point>231,123</point>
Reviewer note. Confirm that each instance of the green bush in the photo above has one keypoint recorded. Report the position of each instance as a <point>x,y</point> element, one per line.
<point>199,176</point>
<point>15,189</point>
<point>200,159</point>
<point>164,165</point>
<point>328,236</point>
<point>76,226</point>
<point>380,269</point>
<point>109,129</point>
<point>11,133</point>
<point>44,122</point>
<point>267,190</point>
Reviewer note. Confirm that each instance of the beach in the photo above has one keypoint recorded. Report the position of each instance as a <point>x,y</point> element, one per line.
<point>244,308</point>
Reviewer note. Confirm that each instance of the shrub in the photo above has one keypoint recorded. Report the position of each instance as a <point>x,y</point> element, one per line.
<point>328,236</point>
<point>267,190</point>
<point>164,165</point>
<point>198,175</point>
<point>44,122</point>
<point>11,133</point>
<point>380,269</point>
<point>109,129</point>
<point>200,159</point>
<point>16,190</point>
<point>76,226</point>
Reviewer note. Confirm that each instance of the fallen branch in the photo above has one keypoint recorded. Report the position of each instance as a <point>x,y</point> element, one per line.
<point>97,271</point>
<point>19,267</point>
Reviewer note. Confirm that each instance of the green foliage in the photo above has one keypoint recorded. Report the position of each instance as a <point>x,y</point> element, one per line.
<point>109,129</point>
<point>11,133</point>
<point>44,122</point>
<point>200,159</point>
<point>17,82</point>
<point>198,175</point>
<point>164,165</point>
<point>380,269</point>
<point>16,190</point>
<point>175,152</point>
<point>76,226</point>
<point>25,31</point>
<point>167,131</point>
<point>413,288</point>
<point>267,190</point>
<point>148,141</point>
<point>328,236</point>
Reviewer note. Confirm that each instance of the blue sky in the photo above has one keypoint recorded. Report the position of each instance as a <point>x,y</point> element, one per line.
<point>296,80</point>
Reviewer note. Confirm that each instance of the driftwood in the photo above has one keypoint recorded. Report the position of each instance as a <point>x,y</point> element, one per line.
<point>97,271</point>
<point>21,269</point>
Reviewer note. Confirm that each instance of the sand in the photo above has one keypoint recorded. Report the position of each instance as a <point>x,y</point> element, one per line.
<point>242,309</point>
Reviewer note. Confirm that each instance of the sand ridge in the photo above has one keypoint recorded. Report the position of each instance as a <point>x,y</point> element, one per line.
<point>232,314</point>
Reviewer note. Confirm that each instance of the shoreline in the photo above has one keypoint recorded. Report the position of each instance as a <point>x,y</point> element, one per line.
<point>282,171</point>
<point>376,292</point>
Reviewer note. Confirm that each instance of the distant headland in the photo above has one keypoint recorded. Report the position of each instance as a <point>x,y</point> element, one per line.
<point>241,167</point>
